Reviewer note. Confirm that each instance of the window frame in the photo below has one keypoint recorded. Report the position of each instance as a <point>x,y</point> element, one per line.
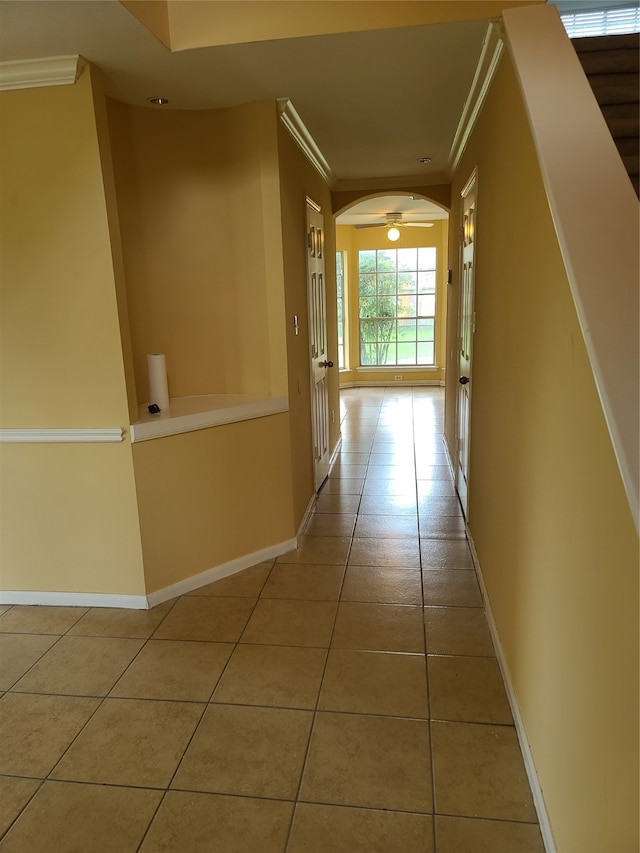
<point>388,288</point>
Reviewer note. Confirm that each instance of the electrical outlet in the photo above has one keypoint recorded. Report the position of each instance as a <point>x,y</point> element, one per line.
<point>398,378</point>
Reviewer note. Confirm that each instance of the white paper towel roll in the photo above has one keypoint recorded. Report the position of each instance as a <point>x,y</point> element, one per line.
<point>158,387</point>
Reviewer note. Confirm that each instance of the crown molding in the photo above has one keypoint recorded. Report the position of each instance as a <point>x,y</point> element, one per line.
<point>34,73</point>
<point>299,131</point>
<point>492,50</point>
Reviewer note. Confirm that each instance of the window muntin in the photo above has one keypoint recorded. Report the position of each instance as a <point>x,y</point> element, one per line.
<point>397,295</point>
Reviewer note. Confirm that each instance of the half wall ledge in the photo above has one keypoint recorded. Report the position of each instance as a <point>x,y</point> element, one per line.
<point>187,414</point>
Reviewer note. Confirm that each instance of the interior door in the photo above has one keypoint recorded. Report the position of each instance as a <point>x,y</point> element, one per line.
<point>466,329</point>
<point>316,298</point>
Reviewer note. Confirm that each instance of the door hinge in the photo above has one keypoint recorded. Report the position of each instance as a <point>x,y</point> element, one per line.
<point>473,322</point>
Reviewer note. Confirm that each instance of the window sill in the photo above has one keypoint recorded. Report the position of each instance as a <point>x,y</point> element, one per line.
<point>410,368</point>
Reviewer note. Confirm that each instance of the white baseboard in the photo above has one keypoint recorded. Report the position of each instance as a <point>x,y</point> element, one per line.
<point>404,383</point>
<point>536,790</point>
<point>146,602</point>
<point>306,515</point>
<point>219,572</point>
<point>74,599</point>
<point>334,454</point>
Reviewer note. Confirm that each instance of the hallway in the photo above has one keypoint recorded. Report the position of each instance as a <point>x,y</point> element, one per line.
<point>342,699</point>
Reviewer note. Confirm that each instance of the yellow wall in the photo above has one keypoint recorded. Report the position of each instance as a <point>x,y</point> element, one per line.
<point>438,193</point>
<point>69,519</point>
<point>212,496</point>
<point>297,180</point>
<point>198,196</point>
<point>547,509</point>
<point>194,23</point>
<point>194,189</point>
<point>352,240</point>
<point>131,231</point>
<point>61,360</point>
<point>257,245</point>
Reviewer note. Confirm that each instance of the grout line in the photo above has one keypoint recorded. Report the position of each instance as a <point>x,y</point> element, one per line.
<point>326,662</point>
<point>428,686</point>
<point>208,703</point>
<point>418,423</point>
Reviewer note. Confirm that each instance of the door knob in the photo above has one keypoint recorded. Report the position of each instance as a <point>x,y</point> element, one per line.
<point>326,364</point>
<point>464,380</point>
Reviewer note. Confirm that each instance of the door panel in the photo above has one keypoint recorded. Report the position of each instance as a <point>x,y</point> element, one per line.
<point>466,329</point>
<point>318,343</point>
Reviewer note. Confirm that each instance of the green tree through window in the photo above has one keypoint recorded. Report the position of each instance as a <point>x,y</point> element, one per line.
<point>397,296</point>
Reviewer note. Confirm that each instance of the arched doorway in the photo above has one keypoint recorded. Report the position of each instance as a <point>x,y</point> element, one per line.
<point>392,289</point>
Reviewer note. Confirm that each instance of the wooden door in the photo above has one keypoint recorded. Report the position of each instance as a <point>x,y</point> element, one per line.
<point>466,329</point>
<point>317,308</point>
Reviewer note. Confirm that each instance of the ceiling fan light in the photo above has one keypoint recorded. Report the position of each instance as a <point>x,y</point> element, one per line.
<point>393,234</point>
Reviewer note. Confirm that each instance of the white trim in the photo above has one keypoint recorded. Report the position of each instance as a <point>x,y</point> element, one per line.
<point>299,131</point>
<point>33,73</point>
<point>373,383</point>
<point>142,602</point>
<point>529,764</point>
<point>305,517</point>
<point>313,204</point>
<point>451,468</point>
<point>74,599</point>
<point>53,436</point>
<point>335,452</point>
<point>492,50</point>
<point>409,368</point>
<point>187,414</point>
<point>219,572</point>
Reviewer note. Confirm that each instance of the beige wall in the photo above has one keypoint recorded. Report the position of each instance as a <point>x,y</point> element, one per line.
<point>547,509</point>
<point>61,359</point>
<point>69,518</point>
<point>198,197</point>
<point>193,23</point>
<point>212,496</point>
<point>132,231</point>
<point>194,190</point>
<point>297,180</point>
<point>257,245</point>
<point>438,193</point>
<point>351,241</point>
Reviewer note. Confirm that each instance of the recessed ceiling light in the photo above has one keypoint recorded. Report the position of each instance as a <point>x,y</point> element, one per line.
<point>158,102</point>
<point>423,160</point>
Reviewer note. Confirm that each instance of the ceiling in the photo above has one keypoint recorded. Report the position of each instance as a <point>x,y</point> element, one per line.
<point>373,211</point>
<point>373,101</point>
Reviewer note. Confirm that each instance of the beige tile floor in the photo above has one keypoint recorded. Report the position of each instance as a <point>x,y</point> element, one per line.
<point>342,699</point>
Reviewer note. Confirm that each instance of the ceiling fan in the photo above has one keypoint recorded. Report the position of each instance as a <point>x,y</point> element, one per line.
<point>393,221</point>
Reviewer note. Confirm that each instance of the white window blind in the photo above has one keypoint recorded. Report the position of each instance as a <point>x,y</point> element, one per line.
<point>604,22</point>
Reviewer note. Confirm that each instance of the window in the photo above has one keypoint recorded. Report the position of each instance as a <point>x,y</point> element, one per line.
<point>340,290</point>
<point>397,293</point>
<point>602,22</point>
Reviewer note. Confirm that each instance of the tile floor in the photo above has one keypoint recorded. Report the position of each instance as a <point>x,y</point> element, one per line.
<point>342,699</point>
